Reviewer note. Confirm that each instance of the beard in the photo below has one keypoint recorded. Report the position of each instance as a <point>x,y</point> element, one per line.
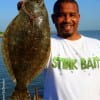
<point>65,30</point>
<point>64,35</point>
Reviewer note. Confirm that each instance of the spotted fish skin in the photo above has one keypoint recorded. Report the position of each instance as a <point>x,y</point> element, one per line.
<point>26,43</point>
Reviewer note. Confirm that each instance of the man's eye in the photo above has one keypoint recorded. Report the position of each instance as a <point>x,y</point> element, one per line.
<point>72,14</point>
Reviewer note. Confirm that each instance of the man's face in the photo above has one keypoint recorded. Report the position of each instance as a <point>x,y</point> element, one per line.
<point>66,19</point>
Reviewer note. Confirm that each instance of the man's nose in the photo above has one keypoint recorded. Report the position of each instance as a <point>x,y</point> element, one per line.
<point>67,18</point>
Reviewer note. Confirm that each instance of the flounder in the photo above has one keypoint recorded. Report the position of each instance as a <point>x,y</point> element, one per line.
<point>26,45</point>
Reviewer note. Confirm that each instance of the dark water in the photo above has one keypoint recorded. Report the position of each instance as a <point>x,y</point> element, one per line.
<point>94,34</point>
<point>7,85</point>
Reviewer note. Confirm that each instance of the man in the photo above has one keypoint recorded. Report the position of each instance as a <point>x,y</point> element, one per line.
<point>73,72</point>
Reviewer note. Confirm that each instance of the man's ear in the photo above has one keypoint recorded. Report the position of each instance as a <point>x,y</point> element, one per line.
<point>53,18</point>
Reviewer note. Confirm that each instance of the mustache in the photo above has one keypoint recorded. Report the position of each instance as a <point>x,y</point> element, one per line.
<point>66,24</point>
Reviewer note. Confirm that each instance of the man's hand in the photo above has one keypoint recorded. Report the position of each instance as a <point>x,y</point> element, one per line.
<point>19,5</point>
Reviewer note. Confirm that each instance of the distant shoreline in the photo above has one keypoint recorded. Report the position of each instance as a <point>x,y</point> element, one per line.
<point>1,35</point>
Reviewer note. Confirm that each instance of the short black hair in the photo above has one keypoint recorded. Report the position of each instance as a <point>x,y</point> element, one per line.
<point>58,2</point>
